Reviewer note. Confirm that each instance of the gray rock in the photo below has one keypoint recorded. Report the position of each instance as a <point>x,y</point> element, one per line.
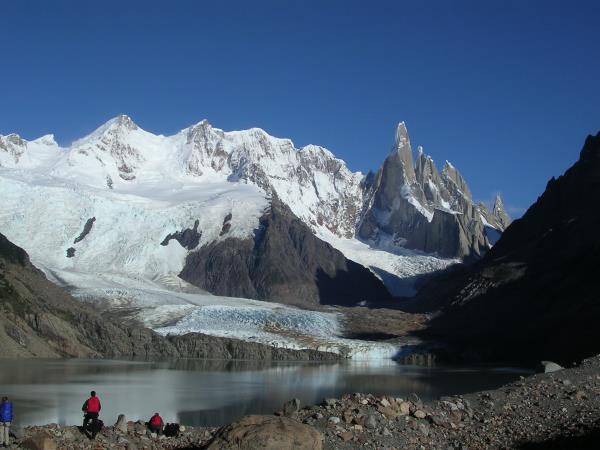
<point>334,420</point>
<point>188,238</point>
<point>121,424</point>
<point>330,401</point>
<point>423,429</point>
<point>140,428</point>
<point>86,229</point>
<point>420,414</point>
<point>291,407</point>
<point>370,421</point>
<point>550,367</point>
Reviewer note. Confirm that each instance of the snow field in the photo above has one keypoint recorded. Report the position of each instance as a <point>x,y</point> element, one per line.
<point>141,187</point>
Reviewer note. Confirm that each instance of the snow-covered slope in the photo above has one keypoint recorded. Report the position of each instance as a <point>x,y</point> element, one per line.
<point>115,215</point>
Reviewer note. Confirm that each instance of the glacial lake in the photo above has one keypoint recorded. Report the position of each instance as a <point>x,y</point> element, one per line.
<point>215,392</point>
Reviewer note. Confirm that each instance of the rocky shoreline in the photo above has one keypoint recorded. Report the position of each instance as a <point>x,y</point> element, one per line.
<point>551,410</point>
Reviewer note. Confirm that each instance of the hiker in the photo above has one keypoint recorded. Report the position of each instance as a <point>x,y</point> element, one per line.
<point>6,417</point>
<point>91,409</point>
<point>156,424</point>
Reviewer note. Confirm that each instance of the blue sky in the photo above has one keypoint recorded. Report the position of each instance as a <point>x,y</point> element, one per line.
<point>507,90</point>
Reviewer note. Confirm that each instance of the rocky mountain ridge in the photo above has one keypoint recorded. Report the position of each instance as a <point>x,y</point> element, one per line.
<point>534,295</point>
<point>406,204</point>
<point>412,204</point>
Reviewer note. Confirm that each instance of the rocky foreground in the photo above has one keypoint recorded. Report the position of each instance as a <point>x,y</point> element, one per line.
<point>553,410</point>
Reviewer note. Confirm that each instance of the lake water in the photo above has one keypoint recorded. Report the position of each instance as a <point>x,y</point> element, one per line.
<point>214,392</point>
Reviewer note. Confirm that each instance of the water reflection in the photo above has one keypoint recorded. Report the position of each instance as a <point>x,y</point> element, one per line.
<point>214,392</point>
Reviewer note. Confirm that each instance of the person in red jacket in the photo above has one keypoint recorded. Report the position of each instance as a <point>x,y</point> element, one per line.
<point>156,424</point>
<point>91,408</point>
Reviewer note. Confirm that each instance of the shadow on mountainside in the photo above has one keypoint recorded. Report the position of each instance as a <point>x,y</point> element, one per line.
<point>534,296</point>
<point>589,440</point>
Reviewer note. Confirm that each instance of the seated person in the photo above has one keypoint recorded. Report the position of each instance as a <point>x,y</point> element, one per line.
<point>156,424</point>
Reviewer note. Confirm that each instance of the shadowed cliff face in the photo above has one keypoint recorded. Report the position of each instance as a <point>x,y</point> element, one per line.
<point>536,293</point>
<point>39,319</point>
<point>284,262</point>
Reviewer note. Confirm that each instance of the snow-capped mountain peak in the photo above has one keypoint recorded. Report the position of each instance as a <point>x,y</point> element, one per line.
<point>16,152</point>
<point>115,128</point>
<point>318,187</point>
<point>47,139</point>
<point>401,136</point>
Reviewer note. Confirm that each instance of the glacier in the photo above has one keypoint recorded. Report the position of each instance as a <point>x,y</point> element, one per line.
<point>141,187</point>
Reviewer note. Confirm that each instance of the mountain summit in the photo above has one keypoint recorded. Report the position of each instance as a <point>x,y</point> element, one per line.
<point>414,205</point>
<point>123,200</point>
<point>407,204</point>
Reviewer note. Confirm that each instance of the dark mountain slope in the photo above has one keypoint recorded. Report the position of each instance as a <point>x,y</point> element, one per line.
<point>39,319</point>
<point>536,294</point>
<point>284,262</point>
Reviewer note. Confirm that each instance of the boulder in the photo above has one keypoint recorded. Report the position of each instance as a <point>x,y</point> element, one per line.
<point>140,427</point>
<point>331,402</point>
<point>371,421</point>
<point>121,424</point>
<point>404,408</point>
<point>420,414</point>
<point>291,407</point>
<point>267,433</point>
<point>388,412</point>
<point>40,441</point>
<point>550,367</point>
<point>346,436</point>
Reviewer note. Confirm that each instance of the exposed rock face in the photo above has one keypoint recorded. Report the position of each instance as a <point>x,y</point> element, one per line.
<point>284,262</point>
<point>86,229</point>
<point>108,144</point>
<point>16,151</point>
<point>267,432</point>
<point>534,295</point>
<point>39,319</point>
<point>413,205</point>
<point>196,345</point>
<point>394,209</point>
<point>188,238</point>
<point>226,225</point>
<point>500,213</point>
<point>318,187</point>
<point>12,147</point>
